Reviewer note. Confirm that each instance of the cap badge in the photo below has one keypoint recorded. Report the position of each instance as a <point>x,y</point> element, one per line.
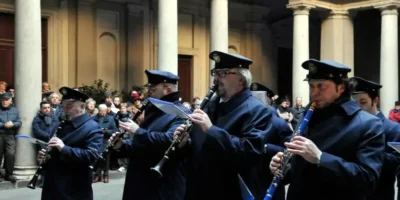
<point>64,91</point>
<point>254,87</point>
<point>312,68</point>
<point>216,58</point>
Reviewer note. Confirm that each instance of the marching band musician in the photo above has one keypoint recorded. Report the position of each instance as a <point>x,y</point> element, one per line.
<point>68,175</point>
<point>366,94</point>
<point>227,138</point>
<point>273,143</point>
<point>341,154</point>
<point>149,143</point>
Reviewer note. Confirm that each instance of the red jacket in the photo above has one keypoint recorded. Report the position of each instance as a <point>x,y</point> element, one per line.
<point>394,115</point>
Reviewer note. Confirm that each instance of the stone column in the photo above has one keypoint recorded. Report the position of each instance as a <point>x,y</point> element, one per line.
<point>28,78</point>
<point>301,50</point>
<point>219,29</point>
<point>168,35</point>
<point>389,58</point>
<point>337,39</point>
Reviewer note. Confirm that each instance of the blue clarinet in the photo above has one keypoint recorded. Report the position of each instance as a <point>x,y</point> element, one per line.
<point>280,174</point>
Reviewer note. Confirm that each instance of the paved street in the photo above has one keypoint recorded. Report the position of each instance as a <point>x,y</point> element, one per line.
<point>110,191</point>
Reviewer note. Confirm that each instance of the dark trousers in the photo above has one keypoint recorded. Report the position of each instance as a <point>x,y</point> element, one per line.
<point>7,147</point>
<point>102,165</point>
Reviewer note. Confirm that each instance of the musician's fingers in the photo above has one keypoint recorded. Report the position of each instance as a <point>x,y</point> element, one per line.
<point>293,146</point>
<point>298,142</point>
<point>299,138</point>
<point>180,129</point>
<point>279,154</point>
<point>276,159</point>
<point>275,164</point>
<point>198,111</point>
<point>295,151</point>
<point>123,125</point>
<point>42,152</point>
<point>197,121</point>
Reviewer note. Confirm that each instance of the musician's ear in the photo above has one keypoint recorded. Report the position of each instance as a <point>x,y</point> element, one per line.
<point>340,88</point>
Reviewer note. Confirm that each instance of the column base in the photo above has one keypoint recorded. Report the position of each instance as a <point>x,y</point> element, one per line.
<point>24,172</point>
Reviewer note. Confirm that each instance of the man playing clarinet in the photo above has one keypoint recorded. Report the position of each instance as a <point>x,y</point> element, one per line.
<point>341,154</point>
<point>75,147</point>
<point>150,141</point>
<point>227,138</point>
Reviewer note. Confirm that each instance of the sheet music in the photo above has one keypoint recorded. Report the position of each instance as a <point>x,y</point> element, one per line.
<point>169,108</point>
<point>261,95</point>
<point>31,139</point>
<point>395,146</point>
<point>246,194</point>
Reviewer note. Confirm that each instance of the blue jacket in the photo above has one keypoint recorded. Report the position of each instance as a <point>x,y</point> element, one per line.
<point>68,176</point>
<point>352,145</point>
<point>109,125</point>
<point>42,125</point>
<point>146,149</point>
<point>232,146</point>
<point>385,189</point>
<point>9,114</point>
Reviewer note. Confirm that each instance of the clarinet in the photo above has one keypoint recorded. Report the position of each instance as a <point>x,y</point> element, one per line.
<point>46,157</point>
<point>188,124</point>
<point>280,174</point>
<point>110,144</point>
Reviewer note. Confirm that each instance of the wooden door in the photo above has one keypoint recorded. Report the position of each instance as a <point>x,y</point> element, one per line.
<point>7,28</point>
<point>185,77</point>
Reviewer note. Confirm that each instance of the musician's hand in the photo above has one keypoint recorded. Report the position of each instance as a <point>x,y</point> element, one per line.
<point>129,126</point>
<point>41,155</point>
<point>276,162</point>
<point>201,118</point>
<point>305,148</point>
<point>118,144</point>
<point>178,132</point>
<point>56,142</point>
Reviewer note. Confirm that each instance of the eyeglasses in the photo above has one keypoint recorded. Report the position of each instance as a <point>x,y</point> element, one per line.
<point>221,73</point>
<point>151,88</point>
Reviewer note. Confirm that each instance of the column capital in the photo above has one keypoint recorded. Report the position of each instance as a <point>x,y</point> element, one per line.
<point>300,7</point>
<point>388,7</point>
<point>339,14</point>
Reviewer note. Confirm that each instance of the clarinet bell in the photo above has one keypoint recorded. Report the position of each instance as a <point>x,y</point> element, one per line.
<point>159,166</point>
<point>157,170</point>
<point>32,183</point>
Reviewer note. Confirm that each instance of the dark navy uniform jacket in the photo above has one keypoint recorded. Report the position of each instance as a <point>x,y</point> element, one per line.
<point>68,176</point>
<point>352,145</point>
<point>232,146</point>
<point>385,189</point>
<point>146,149</point>
<point>274,140</point>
